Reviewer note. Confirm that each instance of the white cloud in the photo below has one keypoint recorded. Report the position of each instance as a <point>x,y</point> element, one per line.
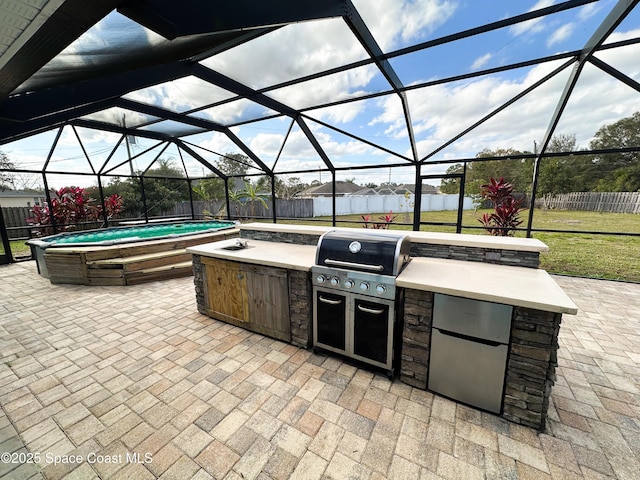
<point>219,143</point>
<point>481,61</point>
<point>394,24</point>
<point>589,10</point>
<point>620,36</point>
<point>266,145</point>
<point>531,26</point>
<point>329,89</point>
<point>561,34</point>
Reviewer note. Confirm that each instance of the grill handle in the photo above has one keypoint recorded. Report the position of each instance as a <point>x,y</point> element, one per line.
<point>330,302</point>
<point>370,310</point>
<point>363,266</point>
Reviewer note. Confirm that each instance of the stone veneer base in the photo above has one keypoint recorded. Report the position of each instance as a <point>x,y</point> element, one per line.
<point>531,364</point>
<point>532,360</point>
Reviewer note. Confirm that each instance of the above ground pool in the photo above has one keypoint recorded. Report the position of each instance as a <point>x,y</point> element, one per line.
<point>114,235</point>
<point>125,255</point>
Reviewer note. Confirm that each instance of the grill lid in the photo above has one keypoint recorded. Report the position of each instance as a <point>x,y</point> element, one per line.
<point>384,254</point>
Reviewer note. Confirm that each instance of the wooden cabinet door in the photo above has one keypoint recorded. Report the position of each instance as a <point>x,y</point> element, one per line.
<point>226,290</point>
<point>268,291</point>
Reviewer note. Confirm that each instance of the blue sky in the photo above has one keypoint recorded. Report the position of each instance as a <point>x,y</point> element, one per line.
<point>438,112</point>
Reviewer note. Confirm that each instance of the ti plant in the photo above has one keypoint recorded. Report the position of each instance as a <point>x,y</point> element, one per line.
<point>71,207</point>
<point>386,220</point>
<point>506,215</point>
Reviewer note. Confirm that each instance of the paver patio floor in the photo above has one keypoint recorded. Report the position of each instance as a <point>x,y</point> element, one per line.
<point>140,385</point>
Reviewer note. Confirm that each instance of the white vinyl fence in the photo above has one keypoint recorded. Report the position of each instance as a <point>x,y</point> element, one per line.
<point>363,204</point>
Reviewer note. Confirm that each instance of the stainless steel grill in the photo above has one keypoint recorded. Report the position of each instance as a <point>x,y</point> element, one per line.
<point>355,295</point>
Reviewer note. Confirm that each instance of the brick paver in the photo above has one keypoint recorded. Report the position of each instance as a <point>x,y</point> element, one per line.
<point>132,382</point>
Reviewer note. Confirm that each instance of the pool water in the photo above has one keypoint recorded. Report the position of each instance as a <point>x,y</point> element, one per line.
<point>137,233</point>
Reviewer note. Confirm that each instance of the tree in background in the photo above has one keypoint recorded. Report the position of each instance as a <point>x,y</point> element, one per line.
<point>249,195</point>
<point>561,174</point>
<point>452,185</point>
<point>164,192</point>
<point>617,172</point>
<point>519,170</point>
<point>161,194</point>
<point>6,180</point>
<point>212,187</point>
<point>285,187</point>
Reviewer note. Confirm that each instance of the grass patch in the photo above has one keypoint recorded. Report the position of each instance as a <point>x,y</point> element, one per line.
<point>595,256</point>
<point>19,248</point>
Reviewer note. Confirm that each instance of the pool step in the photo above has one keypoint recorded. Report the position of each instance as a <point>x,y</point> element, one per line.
<point>140,262</point>
<point>183,269</point>
<point>157,246</point>
<point>140,268</point>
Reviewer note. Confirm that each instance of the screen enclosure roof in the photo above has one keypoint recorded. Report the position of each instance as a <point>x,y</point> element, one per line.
<point>297,87</point>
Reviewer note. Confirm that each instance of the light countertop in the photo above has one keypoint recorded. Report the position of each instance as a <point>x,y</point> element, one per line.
<point>273,254</point>
<point>437,238</point>
<point>518,286</point>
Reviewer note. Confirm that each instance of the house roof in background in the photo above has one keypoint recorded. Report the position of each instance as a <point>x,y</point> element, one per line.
<point>342,188</point>
<point>20,194</point>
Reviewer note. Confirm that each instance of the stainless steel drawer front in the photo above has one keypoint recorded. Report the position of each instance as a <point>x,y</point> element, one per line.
<point>474,318</point>
<point>467,371</point>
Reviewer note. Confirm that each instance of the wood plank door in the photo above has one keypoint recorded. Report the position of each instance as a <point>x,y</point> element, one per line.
<point>226,291</point>
<point>268,290</point>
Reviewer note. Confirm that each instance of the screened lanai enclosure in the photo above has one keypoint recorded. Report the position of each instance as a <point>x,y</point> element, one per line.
<point>247,109</point>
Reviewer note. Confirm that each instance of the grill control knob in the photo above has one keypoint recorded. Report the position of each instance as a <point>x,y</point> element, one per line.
<point>321,279</point>
<point>335,281</point>
<point>348,283</point>
<point>364,286</point>
<point>380,289</point>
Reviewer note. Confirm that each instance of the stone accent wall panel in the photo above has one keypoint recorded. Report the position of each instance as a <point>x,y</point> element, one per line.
<point>300,308</point>
<point>474,254</point>
<point>531,367</point>
<point>416,337</point>
<point>198,281</point>
<point>283,237</point>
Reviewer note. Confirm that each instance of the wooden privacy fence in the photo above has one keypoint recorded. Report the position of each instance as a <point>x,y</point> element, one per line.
<point>291,208</point>
<point>16,217</point>
<point>616,202</point>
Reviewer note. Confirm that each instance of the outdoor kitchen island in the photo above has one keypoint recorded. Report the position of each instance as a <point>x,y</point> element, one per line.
<point>266,287</point>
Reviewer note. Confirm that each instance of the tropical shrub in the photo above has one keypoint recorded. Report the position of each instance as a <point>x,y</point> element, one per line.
<point>71,207</point>
<point>506,215</point>
<point>386,220</point>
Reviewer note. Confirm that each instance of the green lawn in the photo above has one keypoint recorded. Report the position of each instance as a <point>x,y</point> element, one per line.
<point>19,248</point>
<point>586,255</point>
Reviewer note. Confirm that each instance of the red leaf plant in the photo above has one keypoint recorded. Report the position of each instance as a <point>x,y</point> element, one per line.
<point>383,225</point>
<point>506,216</point>
<point>71,207</point>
